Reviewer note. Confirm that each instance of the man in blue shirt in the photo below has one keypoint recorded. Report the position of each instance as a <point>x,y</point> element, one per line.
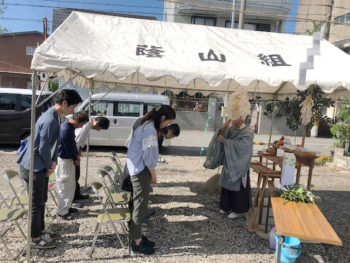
<point>45,159</point>
<point>68,157</point>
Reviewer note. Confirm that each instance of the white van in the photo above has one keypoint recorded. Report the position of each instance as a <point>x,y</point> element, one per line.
<point>122,110</point>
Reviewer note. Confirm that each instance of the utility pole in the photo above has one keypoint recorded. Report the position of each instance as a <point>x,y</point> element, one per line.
<point>329,18</point>
<point>233,14</point>
<point>45,27</point>
<point>242,14</point>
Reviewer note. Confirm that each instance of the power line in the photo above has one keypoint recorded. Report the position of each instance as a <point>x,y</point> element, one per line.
<point>3,62</point>
<point>23,19</point>
<point>184,3</point>
<point>109,4</point>
<point>142,6</point>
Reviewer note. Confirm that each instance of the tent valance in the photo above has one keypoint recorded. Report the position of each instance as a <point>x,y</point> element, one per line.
<point>173,56</point>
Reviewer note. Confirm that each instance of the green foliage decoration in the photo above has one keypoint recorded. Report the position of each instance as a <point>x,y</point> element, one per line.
<point>298,193</point>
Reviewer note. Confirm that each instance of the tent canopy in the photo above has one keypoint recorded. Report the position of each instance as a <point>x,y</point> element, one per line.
<point>112,50</point>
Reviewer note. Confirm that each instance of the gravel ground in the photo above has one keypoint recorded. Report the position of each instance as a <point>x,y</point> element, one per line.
<point>187,226</point>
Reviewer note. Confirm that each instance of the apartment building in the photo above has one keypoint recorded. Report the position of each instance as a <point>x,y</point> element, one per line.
<point>217,14</point>
<point>317,10</point>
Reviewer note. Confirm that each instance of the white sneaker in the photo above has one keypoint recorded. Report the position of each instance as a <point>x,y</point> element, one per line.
<point>232,215</point>
<point>222,212</point>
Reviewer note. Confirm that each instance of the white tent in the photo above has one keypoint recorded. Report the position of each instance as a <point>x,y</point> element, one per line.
<point>98,51</point>
<point>173,56</point>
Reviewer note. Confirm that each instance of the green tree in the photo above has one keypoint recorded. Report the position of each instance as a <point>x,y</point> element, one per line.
<point>316,28</point>
<point>53,85</point>
<point>292,109</point>
<point>341,128</point>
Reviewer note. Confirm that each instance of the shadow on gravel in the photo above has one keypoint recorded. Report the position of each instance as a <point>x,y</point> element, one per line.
<point>183,151</point>
<point>194,226</point>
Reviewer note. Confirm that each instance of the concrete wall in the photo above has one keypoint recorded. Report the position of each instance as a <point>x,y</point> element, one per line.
<point>279,127</point>
<point>192,120</point>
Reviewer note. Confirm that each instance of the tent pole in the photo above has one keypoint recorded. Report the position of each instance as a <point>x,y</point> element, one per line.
<point>273,115</point>
<point>88,142</point>
<point>31,169</point>
<point>273,118</point>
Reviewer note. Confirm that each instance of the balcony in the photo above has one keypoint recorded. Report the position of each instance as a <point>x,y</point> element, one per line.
<point>279,7</point>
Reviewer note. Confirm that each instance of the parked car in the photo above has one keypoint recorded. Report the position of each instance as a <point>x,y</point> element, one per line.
<point>122,110</point>
<point>15,113</point>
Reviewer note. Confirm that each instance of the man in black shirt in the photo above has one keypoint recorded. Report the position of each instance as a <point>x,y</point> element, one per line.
<point>68,157</point>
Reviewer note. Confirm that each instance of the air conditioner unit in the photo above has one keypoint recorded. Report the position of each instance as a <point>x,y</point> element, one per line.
<point>43,76</point>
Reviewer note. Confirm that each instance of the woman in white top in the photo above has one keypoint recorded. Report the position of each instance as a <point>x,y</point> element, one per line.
<point>141,161</point>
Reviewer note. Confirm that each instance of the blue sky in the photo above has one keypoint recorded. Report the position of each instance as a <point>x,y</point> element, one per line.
<point>27,15</point>
<point>290,24</point>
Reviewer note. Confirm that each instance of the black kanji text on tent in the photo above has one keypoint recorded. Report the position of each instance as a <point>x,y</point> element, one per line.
<point>274,60</point>
<point>152,52</point>
<point>212,56</point>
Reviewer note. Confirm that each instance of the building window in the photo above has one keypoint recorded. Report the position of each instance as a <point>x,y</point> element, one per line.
<point>263,27</point>
<point>250,26</point>
<point>29,84</point>
<point>342,19</point>
<point>30,50</point>
<point>228,24</point>
<point>203,20</point>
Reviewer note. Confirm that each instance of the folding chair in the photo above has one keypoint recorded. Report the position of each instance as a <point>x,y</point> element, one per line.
<point>8,216</point>
<point>21,198</point>
<point>112,198</point>
<point>111,216</point>
<point>118,164</point>
<point>52,188</point>
<point>115,181</point>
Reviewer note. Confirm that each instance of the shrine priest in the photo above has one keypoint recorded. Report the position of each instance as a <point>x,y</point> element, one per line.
<point>232,147</point>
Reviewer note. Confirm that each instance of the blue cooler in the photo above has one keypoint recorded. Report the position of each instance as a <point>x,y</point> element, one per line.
<point>290,250</point>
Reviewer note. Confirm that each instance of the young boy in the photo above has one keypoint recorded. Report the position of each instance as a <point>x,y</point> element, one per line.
<point>68,157</point>
<point>45,158</point>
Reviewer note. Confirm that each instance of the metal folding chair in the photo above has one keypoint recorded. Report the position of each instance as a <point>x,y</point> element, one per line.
<point>9,216</point>
<point>21,198</point>
<point>112,198</point>
<point>109,216</point>
<point>117,163</point>
<point>114,178</point>
<point>52,188</point>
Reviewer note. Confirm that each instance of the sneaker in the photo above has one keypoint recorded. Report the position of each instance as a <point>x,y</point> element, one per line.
<point>82,197</point>
<point>232,215</point>
<point>42,244</point>
<point>148,242</point>
<point>51,237</point>
<point>142,248</point>
<point>73,210</point>
<point>77,204</point>
<point>67,216</point>
<point>223,212</point>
